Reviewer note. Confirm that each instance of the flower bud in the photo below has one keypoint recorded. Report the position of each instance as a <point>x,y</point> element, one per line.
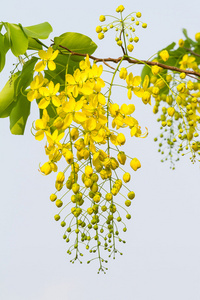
<point>131,195</point>
<point>68,156</point>
<point>75,188</point>
<point>135,164</point>
<point>109,197</point>
<point>123,73</point>
<point>98,29</point>
<point>60,177</point>
<point>181,43</point>
<point>88,171</point>
<point>46,168</point>
<point>100,36</point>
<point>96,198</point>
<point>164,55</point>
<point>59,203</point>
<point>69,184</point>
<point>74,134</point>
<point>88,182</point>
<point>121,139</point>
<point>57,217</point>
<point>94,188</point>
<point>197,36</point>
<point>126,177</point>
<point>127,203</point>
<point>58,185</point>
<point>102,18</point>
<point>121,157</point>
<point>53,197</point>
<point>114,163</point>
<point>120,8</point>
<point>170,111</point>
<point>130,47</point>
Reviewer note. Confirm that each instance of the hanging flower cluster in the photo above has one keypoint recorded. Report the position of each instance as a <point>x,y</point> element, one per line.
<point>84,133</point>
<point>92,180</point>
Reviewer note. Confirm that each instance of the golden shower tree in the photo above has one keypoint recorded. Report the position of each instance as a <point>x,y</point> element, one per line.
<point>83,125</point>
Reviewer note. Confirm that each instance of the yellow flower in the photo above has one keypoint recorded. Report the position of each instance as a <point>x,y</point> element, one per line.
<point>102,18</point>
<point>181,43</point>
<point>155,70</point>
<point>48,167</point>
<point>123,73</point>
<point>135,164</point>
<point>133,85</point>
<point>121,139</point>
<point>197,36</point>
<point>170,111</point>
<point>98,29</point>
<point>37,82</point>
<point>126,177</point>
<point>130,47</point>
<point>42,126</point>
<point>72,108</point>
<point>187,62</point>
<point>164,55</point>
<point>88,171</point>
<point>49,94</point>
<point>60,177</point>
<point>54,139</point>
<point>120,8</point>
<point>121,156</point>
<point>47,59</point>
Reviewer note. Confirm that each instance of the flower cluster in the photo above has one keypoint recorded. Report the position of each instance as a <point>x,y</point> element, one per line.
<point>125,28</point>
<point>78,135</point>
<point>179,102</point>
<point>84,132</point>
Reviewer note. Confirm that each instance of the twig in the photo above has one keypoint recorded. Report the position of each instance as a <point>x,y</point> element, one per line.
<point>192,52</point>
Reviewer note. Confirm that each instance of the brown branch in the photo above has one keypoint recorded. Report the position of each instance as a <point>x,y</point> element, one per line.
<point>192,52</point>
<point>134,61</point>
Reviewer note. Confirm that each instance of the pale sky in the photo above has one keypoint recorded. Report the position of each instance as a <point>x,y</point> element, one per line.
<point>161,256</point>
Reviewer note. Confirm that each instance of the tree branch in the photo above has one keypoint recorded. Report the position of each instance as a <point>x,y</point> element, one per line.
<point>134,61</point>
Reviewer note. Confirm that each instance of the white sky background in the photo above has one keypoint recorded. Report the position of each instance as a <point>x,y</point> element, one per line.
<point>161,257</point>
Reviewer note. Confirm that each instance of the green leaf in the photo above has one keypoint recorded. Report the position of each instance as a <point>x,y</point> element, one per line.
<point>34,44</point>
<point>75,42</point>
<point>17,38</point>
<point>7,44</point>
<point>7,97</point>
<point>2,53</point>
<point>19,115</point>
<point>25,77</point>
<point>145,71</point>
<point>187,38</point>
<point>170,46</point>
<point>39,31</point>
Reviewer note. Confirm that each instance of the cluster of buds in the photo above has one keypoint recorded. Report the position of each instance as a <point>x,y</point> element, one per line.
<point>125,28</point>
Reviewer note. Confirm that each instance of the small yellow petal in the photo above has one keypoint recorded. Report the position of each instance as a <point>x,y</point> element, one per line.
<point>40,66</point>
<point>39,135</point>
<point>51,65</point>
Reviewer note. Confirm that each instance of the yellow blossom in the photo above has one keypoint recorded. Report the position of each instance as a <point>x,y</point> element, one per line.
<point>164,55</point>
<point>47,59</point>
<point>37,82</point>
<point>133,85</point>
<point>42,126</point>
<point>49,94</point>
<point>135,164</point>
<point>187,62</point>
